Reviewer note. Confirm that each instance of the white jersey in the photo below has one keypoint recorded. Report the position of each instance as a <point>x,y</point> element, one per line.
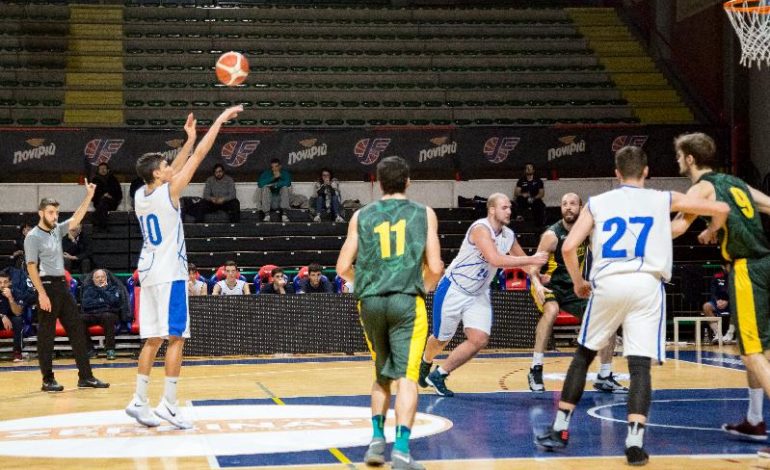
<point>632,233</point>
<point>469,271</point>
<point>224,289</point>
<point>164,255</point>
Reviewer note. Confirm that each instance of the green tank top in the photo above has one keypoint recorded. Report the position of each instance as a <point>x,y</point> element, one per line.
<point>391,248</point>
<point>555,266</point>
<point>742,235</point>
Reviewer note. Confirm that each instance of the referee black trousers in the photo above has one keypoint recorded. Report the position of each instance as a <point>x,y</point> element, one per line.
<point>64,308</point>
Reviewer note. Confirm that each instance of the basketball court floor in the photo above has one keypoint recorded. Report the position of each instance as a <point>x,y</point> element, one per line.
<point>312,412</point>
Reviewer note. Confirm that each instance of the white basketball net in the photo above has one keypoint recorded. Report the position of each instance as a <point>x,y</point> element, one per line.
<point>751,20</point>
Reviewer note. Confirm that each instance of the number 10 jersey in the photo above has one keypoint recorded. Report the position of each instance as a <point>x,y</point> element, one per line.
<point>632,233</point>
<point>164,255</point>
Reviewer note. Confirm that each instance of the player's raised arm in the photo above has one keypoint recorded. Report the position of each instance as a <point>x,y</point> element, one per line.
<point>434,267</point>
<point>349,251</point>
<point>576,237</point>
<point>184,153</point>
<point>481,237</point>
<point>182,178</point>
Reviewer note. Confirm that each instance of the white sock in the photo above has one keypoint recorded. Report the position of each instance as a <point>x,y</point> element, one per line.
<point>605,370</point>
<point>756,397</point>
<point>561,423</point>
<point>142,384</point>
<point>169,392</point>
<point>537,359</point>
<point>635,437</point>
<point>442,371</point>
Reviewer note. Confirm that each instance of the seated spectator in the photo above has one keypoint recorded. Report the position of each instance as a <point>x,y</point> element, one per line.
<point>719,304</point>
<point>17,257</point>
<point>77,250</point>
<point>231,284</point>
<point>195,286</point>
<point>218,195</point>
<point>11,315</point>
<point>107,196</point>
<point>273,193</point>
<point>279,285</point>
<point>102,304</point>
<point>315,282</point>
<point>528,195</point>
<point>327,202</point>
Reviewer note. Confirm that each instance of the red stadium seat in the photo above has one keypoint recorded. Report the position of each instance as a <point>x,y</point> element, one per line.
<point>264,273</point>
<point>566,319</point>
<point>60,329</point>
<point>516,279</point>
<point>6,334</point>
<point>302,273</point>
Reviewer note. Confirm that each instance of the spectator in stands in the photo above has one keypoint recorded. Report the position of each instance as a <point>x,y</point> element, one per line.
<point>78,251</point>
<point>17,258</point>
<point>102,304</point>
<point>137,183</point>
<point>327,191</point>
<point>719,304</point>
<point>107,196</point>
<point>280,284</point>
<point>314,283</point>
<point>194,285</point>
<point>218,195</point>
<point>528,193</point>
<point>10,315</point>
<point>274,186</point>
<point>231,284</point>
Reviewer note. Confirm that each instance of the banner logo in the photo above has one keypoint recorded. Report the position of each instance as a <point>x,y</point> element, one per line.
<point>368,151</point>
<point>570,146</point>
<point>496,149</point>
<point>623,140</point>
<point>309,152</point>
<point>225,430</point>
<point>443,147</point>
<point>236,152</point>
<point>101,150</point>
<point>38,151</point>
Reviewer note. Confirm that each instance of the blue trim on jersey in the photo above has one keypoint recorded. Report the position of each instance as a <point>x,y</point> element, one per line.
<point>177,308</point>
<point>660,322</point>
<point>586,319</point>
<point>438,302</point>
<point>670,200</point>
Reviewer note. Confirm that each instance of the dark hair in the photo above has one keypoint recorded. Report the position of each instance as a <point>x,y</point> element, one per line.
<point>231,263</point>
<point>327,170</point>
<point>314,268</point>
<point>218,165</point>
<point>47,201</point>
<point>147,164</point>
<point>5,274</point>
<point>630,161</point>
<point>191,268</point>
<point>700,146</point>
<point>275,160</point>
<point>276,271</point>
<point>392,173</point>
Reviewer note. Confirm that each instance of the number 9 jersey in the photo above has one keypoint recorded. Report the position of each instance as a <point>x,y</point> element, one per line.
<point>632,233</point>
<point>164,255</point>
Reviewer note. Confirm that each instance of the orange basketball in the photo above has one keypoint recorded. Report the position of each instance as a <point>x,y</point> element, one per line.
<point>232,68</point>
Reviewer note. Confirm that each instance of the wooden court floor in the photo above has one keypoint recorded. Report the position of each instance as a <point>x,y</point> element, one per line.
<point>690,398</point>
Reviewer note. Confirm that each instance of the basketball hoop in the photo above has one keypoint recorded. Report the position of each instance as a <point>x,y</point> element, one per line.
<point>751,20</point>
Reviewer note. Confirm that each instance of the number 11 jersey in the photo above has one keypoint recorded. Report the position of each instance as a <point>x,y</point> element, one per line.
<point>164,255</point>
<point>632,233</point>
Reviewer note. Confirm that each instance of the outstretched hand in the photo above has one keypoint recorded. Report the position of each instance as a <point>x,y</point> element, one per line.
<point>230,113</point>
<point>189,126</point>
<point>90,188</point>
<point>707,237</point>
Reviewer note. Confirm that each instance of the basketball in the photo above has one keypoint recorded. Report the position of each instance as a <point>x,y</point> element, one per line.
<point>232,68</point>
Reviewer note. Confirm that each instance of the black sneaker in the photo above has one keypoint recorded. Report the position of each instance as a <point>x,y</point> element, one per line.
<point>636,456</point>
<point>609,385</point>
<point>424,371</point>
<point>92,354</point>
<point>93,382</point>
<point>553,440</point>
<point>437,381</point>
<point>52,386</point>
<point>535,379</point>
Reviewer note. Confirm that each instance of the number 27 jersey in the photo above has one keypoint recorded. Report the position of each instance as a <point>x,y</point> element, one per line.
<point>632,233</point>
<point>164,255</point>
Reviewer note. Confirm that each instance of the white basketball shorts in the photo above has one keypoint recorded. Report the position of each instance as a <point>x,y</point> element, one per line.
<point>164,311</point>
<point>451,304</point>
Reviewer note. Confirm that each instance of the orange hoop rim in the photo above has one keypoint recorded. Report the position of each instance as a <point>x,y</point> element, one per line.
<point>732,5</point>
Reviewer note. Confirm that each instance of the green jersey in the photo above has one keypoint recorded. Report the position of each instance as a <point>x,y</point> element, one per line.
<point>391,247</point>
<point>743,235</point>
<point>555,266</point>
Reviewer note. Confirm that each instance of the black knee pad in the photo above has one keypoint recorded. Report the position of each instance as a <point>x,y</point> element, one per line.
<point>576,375</point>
<point>640,390</point>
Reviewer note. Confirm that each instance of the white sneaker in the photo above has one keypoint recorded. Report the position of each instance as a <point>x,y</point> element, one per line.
<point>317,218</point>
<point>171,413</point>
<point>141,412</point>
<point>339,220</point>
<point>285,218</point>
<point>267,218</point>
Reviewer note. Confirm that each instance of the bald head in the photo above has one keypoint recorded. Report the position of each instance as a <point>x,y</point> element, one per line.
<point>570,207</point>
<point>495,198</point>
<point>499,208</point>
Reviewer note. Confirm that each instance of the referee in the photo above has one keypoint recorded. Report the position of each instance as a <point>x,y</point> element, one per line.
<point>45,263</point>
